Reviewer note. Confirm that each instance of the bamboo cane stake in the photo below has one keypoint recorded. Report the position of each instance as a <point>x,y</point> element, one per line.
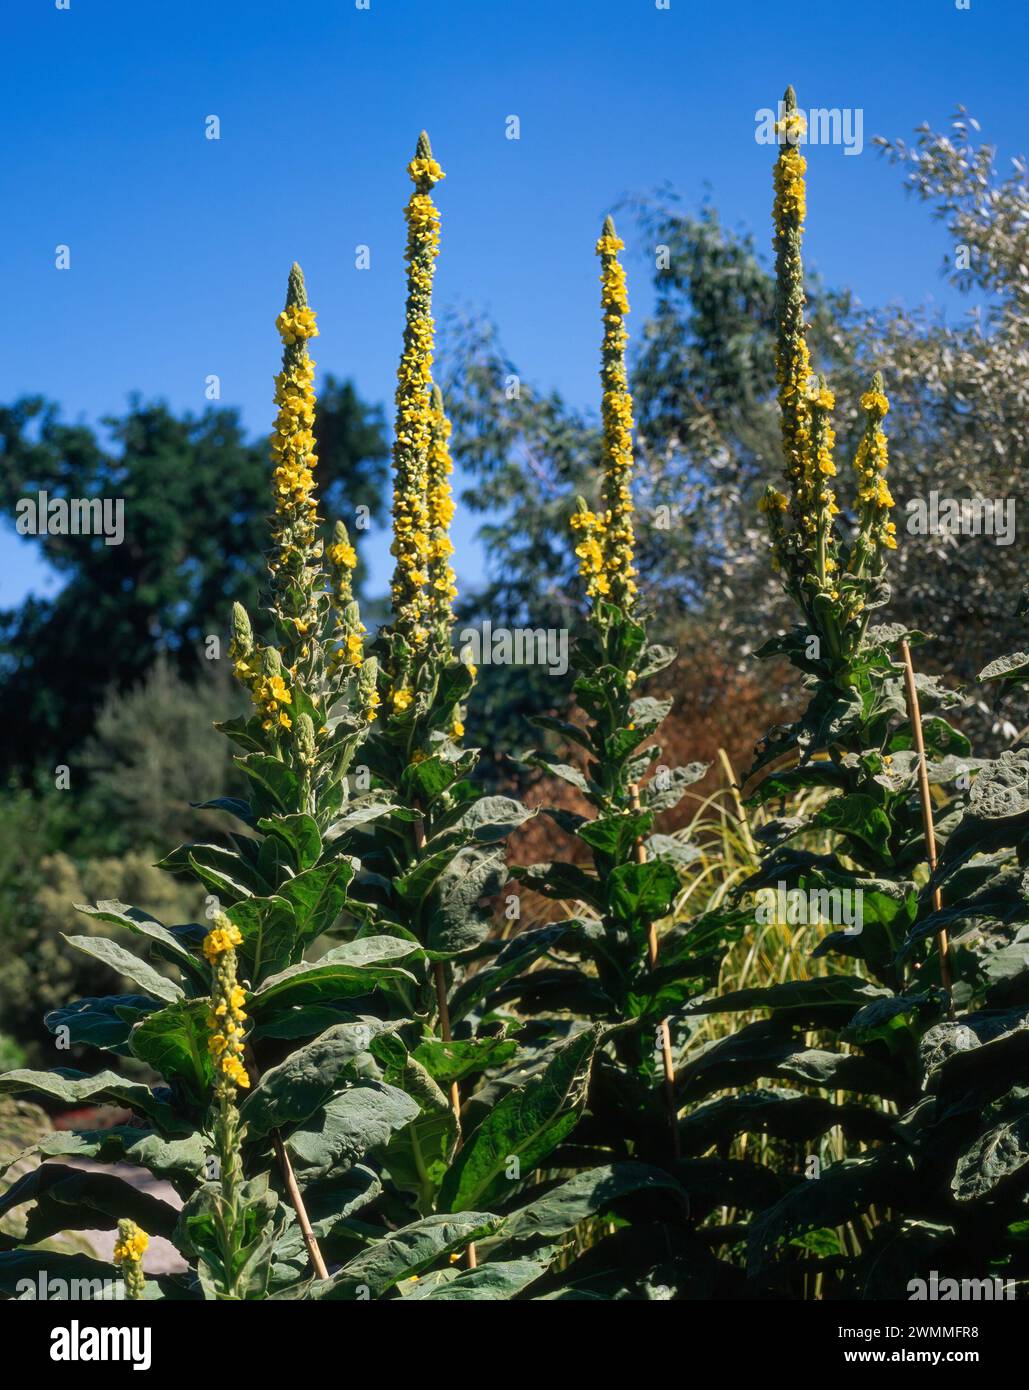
<point>292,1186</point>
<point>310,1239</point>
<point>666,1036</point>
<point>734,792</point>
<point>915,716</point>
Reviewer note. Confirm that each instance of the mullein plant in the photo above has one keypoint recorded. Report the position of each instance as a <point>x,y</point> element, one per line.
<point>604,964</point>
<point>270,1105</point>
<point>308,1110</point>
<point>855,1035</point>
<point>434,855</point>
<point>970,1136</point>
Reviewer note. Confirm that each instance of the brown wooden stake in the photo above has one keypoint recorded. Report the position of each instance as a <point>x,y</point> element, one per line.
<point>741,811</point>
<point>915,716</point>
<point>665,1031</point>
<point>310,1239</point>
<point>292,1186</point>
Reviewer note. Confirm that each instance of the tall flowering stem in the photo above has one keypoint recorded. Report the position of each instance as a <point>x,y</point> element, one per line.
<point>129,1250</point>
<point>605,539</point>
<point>618,538</point>
<point>226,1043</point>
<point>295,564</point>
<point>806,552</point>
<point>876,532</point>
<point>411,546</point>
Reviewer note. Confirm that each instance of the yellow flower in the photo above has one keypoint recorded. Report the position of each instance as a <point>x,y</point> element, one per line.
<point>876,402</point>
<point>343,555</point>
<point>457,729</point>
<point>296,324</point>
<point>401,699</point>
<point>129,1250</point>
<point>773,501</point>
<point>132,1246</point>
<point>221,938</point>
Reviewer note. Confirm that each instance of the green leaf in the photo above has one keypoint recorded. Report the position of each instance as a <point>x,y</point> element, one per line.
<point>561,726</point>
<point>268,927</point>
<point>497,1281</point>
<point>125,963</point>
<point>858,816</point>
<point>561,881</point>
<point>655,658</point>
<point>564,771</point>
<point>843,1191</point>
<point>458,921</point>
<point>173,1042</point>
<point>616,835</point>
<point>234,805</point>
<point>73,1088</point>
<point>549,1218</point>
<point>79,1275</point>
<point>273,777</point>
<point>642,893</point>
<point>317,896</point>
<point>405,1254</point>
<point>995,1157</point>
<point>416,1157</point>
<point>105,1022</point>
<point>350,1126</point>
<point>181,1161</point>
<point>291,1092</point>
<point>767,1049</point>
<point>165,942</point>
<point>491,819</point>
<point>822,1002</point>
<point>1013,669</point>
<point>300,833</point>
<point>68,1199</point>
<point>526,1125</point>
<point>343,973</point>
<point>515,957</point>
<point>456,1061</point>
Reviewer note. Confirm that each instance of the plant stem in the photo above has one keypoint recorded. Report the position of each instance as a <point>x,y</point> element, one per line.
<point>440,978</point>
<point>666,1036</point>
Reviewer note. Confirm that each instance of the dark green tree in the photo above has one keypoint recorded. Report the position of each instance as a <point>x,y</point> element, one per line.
<point>194,501</point>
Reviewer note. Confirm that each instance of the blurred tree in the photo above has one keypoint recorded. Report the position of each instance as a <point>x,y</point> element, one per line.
<point>195,496</point>
<point>153,752</point>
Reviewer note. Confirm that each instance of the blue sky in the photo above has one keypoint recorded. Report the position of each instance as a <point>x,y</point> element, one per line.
<point>180,245</point>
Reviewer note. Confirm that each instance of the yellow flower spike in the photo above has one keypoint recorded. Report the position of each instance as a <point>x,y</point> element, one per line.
<point>227,1017</point>
<point>413,433</point>
<point>129,1249</point>
<point>792,359</point>
<point>296,549</point>
<point>348,634</point>
<point>609,542</point>
<point>876,532</point>
<point>368,698</point>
